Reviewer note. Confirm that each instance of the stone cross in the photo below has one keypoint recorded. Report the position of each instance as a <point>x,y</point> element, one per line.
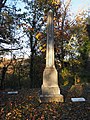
<point>50,90</point>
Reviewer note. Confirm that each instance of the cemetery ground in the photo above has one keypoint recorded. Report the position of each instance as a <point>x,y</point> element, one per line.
<point>25,105</point>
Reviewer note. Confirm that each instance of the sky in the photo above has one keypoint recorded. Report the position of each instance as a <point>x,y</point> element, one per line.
<point>77,6</point>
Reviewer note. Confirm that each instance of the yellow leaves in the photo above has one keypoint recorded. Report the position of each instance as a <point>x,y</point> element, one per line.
<point>15,114</point>
<point>65,73</point>
<point>8,114</point>
<point>76,62</point>
<point>44,45</point>
<point>49,2</point>
<point>54,18</point>
<point>78,18</point>
<point>17,111</point>
<point>66,82</point>
<point>56,2</point>
<point>42,48</point>
<point>39,35</point>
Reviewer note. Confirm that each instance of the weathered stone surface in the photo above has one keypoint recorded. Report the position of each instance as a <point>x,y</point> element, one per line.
<point>50,41</point>
<point>52,98</point>
<point>50,90</point>
<point>50,76</point>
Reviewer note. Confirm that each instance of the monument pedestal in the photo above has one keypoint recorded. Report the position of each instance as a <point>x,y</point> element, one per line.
<point>51,98</point>
<point>50,89</point>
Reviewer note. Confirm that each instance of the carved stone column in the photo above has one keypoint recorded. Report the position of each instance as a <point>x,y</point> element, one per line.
<point>50,90</point>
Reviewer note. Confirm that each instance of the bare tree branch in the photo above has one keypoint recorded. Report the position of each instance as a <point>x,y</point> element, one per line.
<point>3,41</point>
<point>2,3</point>
<point>7,49</point>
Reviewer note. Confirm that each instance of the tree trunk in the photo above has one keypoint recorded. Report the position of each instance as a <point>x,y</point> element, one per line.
<point>4,69</point>
<point>31,72</point>
<point>2,3</point>
<point>31,62</point>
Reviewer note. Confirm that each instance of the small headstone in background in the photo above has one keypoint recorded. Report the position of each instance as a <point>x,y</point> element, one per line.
<point>12,92</point>
<point>78,99</point>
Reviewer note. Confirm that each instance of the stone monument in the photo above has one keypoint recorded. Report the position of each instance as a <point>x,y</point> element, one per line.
<point>50,91</point>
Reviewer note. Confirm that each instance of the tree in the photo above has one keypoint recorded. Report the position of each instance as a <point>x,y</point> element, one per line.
<point>8,40</point>
<point>32,25</point>
<point>61,25</point>
<point>2,3</point>
<point>64,28</point>
<point>5,64</point>
<point>8,32</point>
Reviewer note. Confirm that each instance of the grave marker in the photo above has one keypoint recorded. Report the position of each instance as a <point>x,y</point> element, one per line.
<point>50,90</point>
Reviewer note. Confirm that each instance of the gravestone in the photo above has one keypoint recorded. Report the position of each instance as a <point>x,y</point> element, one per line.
<point>81,99</point>
<point>50,90</point>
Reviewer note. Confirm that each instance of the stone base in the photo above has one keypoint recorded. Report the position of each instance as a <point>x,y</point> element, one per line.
<point>51,94</point>
<point>50,91</point>
<point>51,98</point>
